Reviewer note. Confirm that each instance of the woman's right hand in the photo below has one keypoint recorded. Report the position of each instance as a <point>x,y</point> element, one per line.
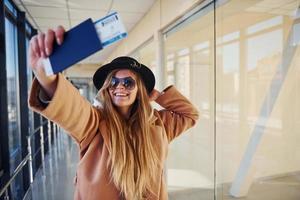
<point>41,46</point>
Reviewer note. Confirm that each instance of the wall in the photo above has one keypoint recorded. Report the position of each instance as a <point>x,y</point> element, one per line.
<point>162,13</point>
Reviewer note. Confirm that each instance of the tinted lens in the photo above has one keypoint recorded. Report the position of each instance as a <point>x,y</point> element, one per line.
<point>114,83</point>
<point>127,82</point>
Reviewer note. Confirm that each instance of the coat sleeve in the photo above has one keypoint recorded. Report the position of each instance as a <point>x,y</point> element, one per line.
<point>178,114</point>
<point>68,109</point>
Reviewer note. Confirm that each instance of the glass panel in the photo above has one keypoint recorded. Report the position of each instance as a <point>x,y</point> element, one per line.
<point>28,28</point>
<point>14,134</point>
<point>146,55</point>
<point>1,165</point>
<point>85,87</point>
<point>10,7</point>
<point>83,90</point>
<point>29,81</point>
<point>258,99</point>
<point>189,61</point>
<point>30,112</point>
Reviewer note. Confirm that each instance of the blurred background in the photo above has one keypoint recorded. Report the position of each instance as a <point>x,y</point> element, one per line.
<point>238,61</point>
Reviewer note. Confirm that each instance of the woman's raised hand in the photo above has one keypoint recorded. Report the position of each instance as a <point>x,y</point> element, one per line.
<point>154,95</point>
<point>41,46</point>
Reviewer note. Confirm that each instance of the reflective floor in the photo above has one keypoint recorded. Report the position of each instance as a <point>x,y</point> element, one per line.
<point>55,181</point>
<point>282,188</point>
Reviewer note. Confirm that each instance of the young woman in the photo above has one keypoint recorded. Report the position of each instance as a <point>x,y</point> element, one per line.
<point>124,142</point>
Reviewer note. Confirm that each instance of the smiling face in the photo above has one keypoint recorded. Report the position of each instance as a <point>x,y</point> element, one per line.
<point>123,90</point>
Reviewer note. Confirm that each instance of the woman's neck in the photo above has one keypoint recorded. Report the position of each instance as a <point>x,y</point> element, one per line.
<point>124,111</point>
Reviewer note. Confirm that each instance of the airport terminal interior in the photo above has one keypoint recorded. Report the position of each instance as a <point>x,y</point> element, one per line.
<point>237,61</point>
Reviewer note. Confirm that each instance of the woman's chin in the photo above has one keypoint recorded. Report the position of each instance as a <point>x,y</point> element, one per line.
<point>122,103</point>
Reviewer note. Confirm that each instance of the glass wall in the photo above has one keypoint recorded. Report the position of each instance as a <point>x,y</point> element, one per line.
<point>14,126</point>
<point>238,62</point>
<point>85,87</point>
<point>257,62</point>
<point>1,165</point>
<point>14,135</point>
<point>29,82</point>
<point>189,62</point>
<point>30,112</point>
<point>146,55</point>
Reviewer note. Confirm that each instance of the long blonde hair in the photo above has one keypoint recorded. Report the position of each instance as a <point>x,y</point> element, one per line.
<point>133,161</point>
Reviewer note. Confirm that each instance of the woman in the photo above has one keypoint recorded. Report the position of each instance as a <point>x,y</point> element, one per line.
<point>123,143</point>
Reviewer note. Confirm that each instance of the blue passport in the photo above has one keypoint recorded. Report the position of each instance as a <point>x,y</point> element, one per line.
<point>82,41</point>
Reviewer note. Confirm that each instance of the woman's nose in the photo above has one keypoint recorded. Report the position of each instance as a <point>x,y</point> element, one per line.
<point>120,86</point>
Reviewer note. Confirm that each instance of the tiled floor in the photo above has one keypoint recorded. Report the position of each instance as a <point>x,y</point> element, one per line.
<point>55,182</point>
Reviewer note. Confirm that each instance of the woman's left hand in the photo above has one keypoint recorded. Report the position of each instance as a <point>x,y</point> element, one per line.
<point>154,95</point>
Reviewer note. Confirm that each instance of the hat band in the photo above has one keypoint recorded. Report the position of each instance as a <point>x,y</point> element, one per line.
<point>136,65</point>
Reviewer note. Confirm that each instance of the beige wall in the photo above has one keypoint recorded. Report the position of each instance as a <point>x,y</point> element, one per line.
<point>82,70</point>
<point>162,13</point>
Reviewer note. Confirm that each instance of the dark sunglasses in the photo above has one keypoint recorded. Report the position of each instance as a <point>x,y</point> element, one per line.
<point>128,83</point>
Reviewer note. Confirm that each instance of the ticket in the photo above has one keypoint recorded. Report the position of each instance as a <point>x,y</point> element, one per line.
<point>83,40</point>
<point>110,29</point>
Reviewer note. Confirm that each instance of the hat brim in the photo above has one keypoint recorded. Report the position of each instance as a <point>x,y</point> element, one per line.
<point>145,73</point>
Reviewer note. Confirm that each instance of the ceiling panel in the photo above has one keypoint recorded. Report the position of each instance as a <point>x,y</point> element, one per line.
<point>129,26</point>
<point>76,14</point>
<point>292,5</point>
<point>272,3</point>
<point>44,3</point>
<point>51,13</point>
<point>130,17</point>
<point>90,4</point>
<point>133,5</point>
<point>46,12</point>
<point>52,23</point>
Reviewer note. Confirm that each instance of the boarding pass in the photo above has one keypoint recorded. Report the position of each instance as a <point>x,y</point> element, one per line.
<point>110,29</point>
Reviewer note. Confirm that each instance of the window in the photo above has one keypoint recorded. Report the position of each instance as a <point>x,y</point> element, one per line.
<point>189,61</point>
<point>146,55</point>
<point>10,8</point>
<point>1,167</point>
<point>257,93</point>
<point>14,135</point>
<point>29,81</point>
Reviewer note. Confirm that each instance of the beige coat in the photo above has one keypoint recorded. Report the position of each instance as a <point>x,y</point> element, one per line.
<point>83,122</point>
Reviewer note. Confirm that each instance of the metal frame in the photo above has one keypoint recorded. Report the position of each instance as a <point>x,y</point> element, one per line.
<point>36,159</point>
<point>28,156</point>
<point>3,95</point>
<point>24,116</point>
<point>13,19</point>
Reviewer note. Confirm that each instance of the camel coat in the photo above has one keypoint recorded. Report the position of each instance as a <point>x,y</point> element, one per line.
<point>84,123</point>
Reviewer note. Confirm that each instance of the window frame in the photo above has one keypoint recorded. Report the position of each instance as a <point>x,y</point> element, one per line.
<point>24,30</point>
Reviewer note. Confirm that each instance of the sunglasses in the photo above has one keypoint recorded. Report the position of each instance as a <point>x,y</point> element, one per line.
<point>128,83</point>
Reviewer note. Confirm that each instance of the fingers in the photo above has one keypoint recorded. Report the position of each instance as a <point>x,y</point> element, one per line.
<point>59,34</point>
<point>34,46</point>
<point>49,41</point>
<point>41,44</point>
<point>154,95</point>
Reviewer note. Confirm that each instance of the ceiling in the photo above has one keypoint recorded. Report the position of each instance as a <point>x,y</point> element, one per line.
<point>44,14</point>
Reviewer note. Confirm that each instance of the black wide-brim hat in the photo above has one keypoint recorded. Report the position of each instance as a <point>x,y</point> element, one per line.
<point>125,62</point>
